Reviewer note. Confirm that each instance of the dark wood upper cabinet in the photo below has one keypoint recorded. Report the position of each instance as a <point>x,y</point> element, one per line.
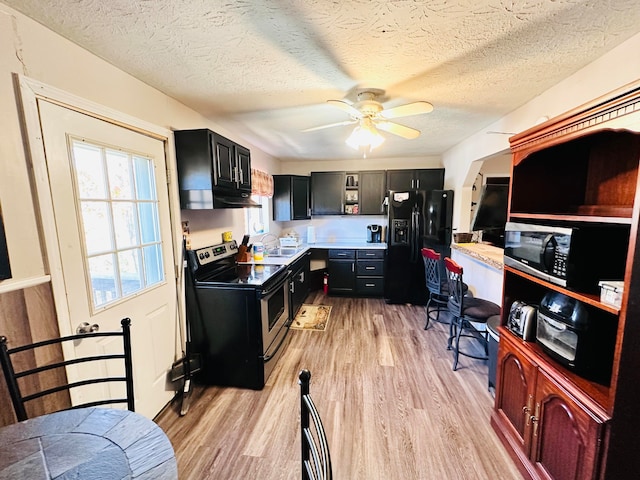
<point>371,192</point>
<point>209,163</point>
<point>420,179</point>
<point>327,193</point>
<point>291,198</point>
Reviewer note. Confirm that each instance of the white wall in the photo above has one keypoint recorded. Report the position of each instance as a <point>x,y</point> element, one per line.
<point>305,167</point>
<point>34,51</point>
<point>613,70</point>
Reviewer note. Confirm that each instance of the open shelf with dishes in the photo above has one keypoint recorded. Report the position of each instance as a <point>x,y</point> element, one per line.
<point>577,171</point>
<point>351,194</point>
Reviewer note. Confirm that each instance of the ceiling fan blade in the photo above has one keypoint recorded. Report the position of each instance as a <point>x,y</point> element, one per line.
<point>346,122</point>
<point>397,129</point>
<point>350,109</point>
<point>415,108</point>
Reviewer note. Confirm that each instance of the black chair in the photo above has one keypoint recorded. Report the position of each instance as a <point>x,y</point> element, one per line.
<point>29,381</point>
<point>316,460</point>
<point>437,285</point>
<point>464,310</point>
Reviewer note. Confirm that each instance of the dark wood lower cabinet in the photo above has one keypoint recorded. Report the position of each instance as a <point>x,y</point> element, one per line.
<point>356,272</point>
<point>299,284</point>
<point>342,271</point>
<point>548,431</point>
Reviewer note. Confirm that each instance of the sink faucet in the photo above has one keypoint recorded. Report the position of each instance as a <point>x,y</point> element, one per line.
<point>272,237</point>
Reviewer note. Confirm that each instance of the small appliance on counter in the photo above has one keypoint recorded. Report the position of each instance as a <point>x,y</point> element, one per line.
<point>374,233</point>
<point>522,320</point>
<point>290,242</point>
<point>576,336</point>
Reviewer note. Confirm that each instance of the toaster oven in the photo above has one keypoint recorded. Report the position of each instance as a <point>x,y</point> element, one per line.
<point>575,336</point>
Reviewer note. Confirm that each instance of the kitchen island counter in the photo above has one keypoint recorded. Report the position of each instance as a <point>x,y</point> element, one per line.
<point>483,265</point>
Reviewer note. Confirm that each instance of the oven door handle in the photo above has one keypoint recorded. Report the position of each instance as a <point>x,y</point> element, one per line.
<point>278,283</point>
<point>268,357</point>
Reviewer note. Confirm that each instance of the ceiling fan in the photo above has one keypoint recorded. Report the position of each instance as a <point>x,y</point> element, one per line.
<point>370,116</point>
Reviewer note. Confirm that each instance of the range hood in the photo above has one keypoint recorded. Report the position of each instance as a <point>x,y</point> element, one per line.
<point>206,199</point>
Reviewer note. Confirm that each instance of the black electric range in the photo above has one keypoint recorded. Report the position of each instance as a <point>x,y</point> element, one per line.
<point>237,315</point>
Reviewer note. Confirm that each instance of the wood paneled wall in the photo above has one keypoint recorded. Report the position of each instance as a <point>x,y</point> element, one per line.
<point>28,315</point>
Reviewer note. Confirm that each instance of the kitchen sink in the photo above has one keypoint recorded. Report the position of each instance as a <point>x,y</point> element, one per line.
<point>282,252</point>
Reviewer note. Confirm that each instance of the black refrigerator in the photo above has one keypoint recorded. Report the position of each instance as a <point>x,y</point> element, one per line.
<point>417,219</point>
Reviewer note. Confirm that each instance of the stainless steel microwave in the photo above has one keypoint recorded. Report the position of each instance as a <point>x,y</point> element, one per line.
<point>573,257</point>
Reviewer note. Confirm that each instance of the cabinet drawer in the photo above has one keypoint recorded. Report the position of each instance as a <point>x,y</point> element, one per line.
<point>370,286</point>
<point>373,253</point>
<point>342,253</point>
<point>370,268</point>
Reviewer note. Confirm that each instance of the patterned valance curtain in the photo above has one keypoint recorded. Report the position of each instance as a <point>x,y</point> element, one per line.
<point>261,183</point>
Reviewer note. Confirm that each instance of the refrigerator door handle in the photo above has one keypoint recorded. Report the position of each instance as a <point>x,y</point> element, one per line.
<point>413,237</point>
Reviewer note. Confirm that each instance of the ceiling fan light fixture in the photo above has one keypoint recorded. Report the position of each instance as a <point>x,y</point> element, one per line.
<point>365,136</point>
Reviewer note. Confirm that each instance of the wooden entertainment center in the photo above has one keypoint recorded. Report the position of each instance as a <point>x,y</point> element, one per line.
<point>580,168</point>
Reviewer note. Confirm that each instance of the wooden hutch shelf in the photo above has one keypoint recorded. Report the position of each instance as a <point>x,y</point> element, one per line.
<point>576,169</point>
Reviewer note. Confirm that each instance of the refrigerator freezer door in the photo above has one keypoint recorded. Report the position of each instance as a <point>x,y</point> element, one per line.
<point>404,277</point>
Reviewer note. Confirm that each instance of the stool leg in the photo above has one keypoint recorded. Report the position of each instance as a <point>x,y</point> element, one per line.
<point>456,347</point>
<point>426,325</point>
<point>453,327</point>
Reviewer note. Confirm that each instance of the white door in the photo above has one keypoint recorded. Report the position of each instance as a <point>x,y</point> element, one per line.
<point>110,202</point>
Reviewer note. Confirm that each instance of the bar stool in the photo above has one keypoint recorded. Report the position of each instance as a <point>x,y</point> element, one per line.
<point>437,285</point>
<point>465,312</point>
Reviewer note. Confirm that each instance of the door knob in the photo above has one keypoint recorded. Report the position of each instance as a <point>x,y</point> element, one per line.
<point>84,327</point>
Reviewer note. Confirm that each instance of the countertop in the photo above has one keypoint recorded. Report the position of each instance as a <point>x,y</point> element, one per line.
<point>302,249</point>
<point>350,245</point>
<point>485,253</point>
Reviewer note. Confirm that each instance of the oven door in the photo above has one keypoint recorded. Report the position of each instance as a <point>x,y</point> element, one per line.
<point>274,313</point>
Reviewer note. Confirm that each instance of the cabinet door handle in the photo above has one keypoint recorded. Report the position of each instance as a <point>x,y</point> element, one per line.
<point>369,268</point>
<point>353,267</point>
<point>535,419</point>
<point>369,284</point>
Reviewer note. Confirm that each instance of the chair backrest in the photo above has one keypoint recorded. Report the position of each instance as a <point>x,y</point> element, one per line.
<point>316,460</point>
<point>431,260</point>
<point>29,379</point>
<point>456,286</point>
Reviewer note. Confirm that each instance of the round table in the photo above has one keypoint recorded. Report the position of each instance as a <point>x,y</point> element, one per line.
<point>87,443</point>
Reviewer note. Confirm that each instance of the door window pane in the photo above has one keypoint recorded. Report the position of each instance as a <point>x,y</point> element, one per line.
<point>103,279</point>
<point>125,224</point>
<point>117,201</point>
<point>91,179</point>
<point>119,168</point>
<point>97,228</point>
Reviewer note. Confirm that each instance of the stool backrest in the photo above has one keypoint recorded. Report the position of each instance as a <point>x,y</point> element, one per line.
<point>456,286</point>
<point>431,260</point>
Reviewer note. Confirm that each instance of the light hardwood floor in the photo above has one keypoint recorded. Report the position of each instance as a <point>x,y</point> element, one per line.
<point>391,405</point>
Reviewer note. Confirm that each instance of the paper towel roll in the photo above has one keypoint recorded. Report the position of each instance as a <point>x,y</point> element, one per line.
<point>311,234</point>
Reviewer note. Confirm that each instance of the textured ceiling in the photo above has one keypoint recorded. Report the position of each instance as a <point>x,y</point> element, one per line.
<point>269,66</point>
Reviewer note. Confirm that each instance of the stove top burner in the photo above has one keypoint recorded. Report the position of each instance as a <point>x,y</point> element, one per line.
<point>255,275</point>
<point>217,265</point>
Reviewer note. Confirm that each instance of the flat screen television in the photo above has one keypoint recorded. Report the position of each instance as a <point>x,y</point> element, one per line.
<point>491,213</point>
